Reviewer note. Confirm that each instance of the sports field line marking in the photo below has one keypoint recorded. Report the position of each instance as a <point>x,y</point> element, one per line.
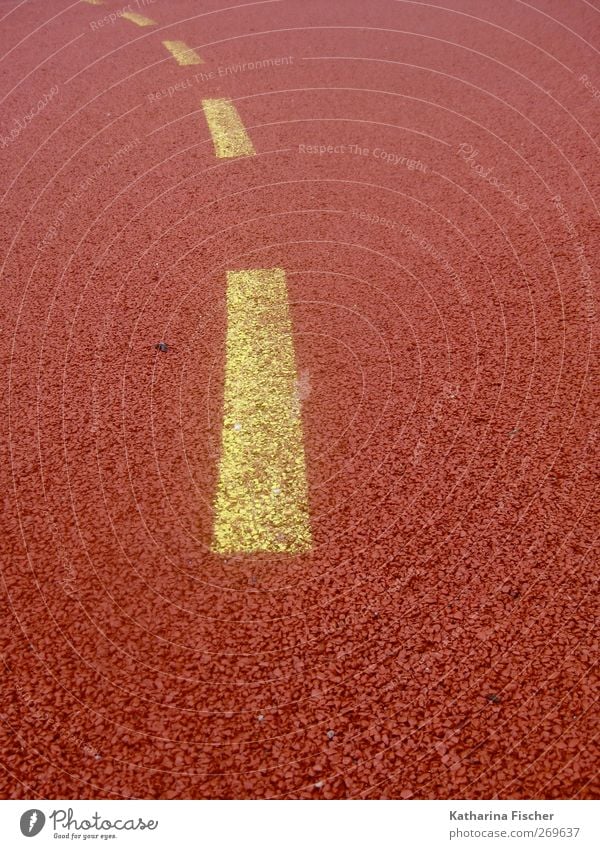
<point>228,133</point>
<point>261,503</point>
<point>183,54</point>
<point>140,20</point>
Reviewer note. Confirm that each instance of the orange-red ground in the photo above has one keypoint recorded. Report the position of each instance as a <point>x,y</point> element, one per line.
<point>440,641</point>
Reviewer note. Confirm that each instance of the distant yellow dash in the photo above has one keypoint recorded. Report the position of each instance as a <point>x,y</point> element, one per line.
<point>140,20</point>
<point>228,133</point>
<point>262,495</point>
<point>183,54</point>
<point>94,2</point>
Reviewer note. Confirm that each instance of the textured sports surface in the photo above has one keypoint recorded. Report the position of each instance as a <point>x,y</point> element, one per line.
<point>300,399</point>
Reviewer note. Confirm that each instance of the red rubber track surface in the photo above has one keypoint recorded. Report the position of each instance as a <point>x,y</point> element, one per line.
<point>444,628</point>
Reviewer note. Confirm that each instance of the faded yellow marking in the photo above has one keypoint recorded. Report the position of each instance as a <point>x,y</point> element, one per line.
<point>140,20</point>
<point>183,54</point>
<point>261,502</point>
<point>94,2</point>
<point>228,133</point>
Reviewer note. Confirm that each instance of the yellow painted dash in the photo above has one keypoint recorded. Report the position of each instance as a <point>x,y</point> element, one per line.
<point>140,20</point>
<point>183,54</point>
<point>228,133</point>
<point>94,2</point>
<point>261,502</point>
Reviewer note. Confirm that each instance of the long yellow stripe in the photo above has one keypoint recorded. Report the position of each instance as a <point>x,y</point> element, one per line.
<point>183,54</point>
<point>262,495</point>
<point>228,133</point>
<point>140,20</point>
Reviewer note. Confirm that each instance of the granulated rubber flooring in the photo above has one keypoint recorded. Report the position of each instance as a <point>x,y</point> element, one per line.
<point>426,174</point>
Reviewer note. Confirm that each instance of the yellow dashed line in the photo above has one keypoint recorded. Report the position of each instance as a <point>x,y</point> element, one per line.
<point>94,2</point>
<point>140,20</point>
<point>262,495</point>
<point>183,54</point>
<point>228,133</point>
